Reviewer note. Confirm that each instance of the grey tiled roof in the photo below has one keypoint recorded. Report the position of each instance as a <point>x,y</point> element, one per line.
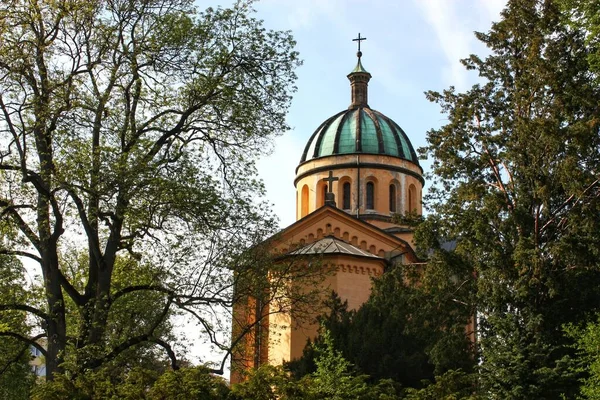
<point>331,245</point>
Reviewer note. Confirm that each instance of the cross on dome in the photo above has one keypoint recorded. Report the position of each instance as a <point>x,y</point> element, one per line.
<point>359,39</point>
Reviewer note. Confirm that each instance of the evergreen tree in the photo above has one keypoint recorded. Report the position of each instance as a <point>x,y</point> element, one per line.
<point>452,385</point>
<point>414,326</point>
<point>584,15</point>
<point>334,377</point>
<point>587,343</point>
<point>517,168</point>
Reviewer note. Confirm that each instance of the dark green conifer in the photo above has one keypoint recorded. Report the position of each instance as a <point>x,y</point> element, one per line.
<point>517,167</point>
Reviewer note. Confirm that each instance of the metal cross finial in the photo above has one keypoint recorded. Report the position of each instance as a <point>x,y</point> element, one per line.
<point>359,39</point>
<point>330,179</point>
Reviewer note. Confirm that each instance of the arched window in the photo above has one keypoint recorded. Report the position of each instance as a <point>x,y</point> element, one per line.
<point>322,195</point>
<point>393,198</point>
<point>304,203</point>
<point>370,195</point>
<point>346,196</point>
<point>412,198</point>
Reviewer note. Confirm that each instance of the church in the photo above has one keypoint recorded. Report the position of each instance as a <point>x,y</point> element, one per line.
<point>356,172</point>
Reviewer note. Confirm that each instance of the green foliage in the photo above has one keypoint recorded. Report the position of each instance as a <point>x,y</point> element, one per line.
<point>97,385</point>
<point>270,383</point>
<point>130,131</point>
<point>517,187</point>
<point>413,327</point>
<point>189,383</point>
<point>452,385</point>
<point>132,314</point>
<point>584,15</point>
<point>333,378</point>
<point>139,384</point>
<point>587,343</point>
<point>16,378</point>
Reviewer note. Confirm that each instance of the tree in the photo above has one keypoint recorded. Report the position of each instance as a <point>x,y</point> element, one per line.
<point>129,130</point>
<point>452,385</point>
<point>517,167</point>
<point>139,383</point>
<point>334,377</point>
<point>269,382</point>
<point>189,383</point>
<point>16,377</point>
<point>413,327</point>
<point>130,316</point>
<point>587,343</point>
<point>583,15</point>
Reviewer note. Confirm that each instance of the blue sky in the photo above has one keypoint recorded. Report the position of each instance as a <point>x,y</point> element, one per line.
<point>412,46</point>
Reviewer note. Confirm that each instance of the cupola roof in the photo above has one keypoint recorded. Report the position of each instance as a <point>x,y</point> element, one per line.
<point>359,129</point>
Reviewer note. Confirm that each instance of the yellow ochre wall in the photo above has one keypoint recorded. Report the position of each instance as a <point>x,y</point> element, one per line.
<point>351,279</point>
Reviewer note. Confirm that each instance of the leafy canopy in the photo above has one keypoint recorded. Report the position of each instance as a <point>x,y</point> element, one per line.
<point>128,135</point>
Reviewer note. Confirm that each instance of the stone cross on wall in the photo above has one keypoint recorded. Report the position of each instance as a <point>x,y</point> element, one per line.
<point>330,196</point>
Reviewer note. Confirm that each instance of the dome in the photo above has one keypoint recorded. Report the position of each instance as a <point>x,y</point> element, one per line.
<point>359,130</point>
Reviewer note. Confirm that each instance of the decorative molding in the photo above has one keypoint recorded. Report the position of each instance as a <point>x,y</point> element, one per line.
<point>358,270</point>
<point>371,165</point>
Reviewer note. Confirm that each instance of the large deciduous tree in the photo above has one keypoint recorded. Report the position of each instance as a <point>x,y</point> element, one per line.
<point>128,132</point>
<point>518,169</point>
<point>16,376</point>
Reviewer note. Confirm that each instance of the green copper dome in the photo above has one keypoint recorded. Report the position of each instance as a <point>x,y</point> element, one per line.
<point>359,130</point>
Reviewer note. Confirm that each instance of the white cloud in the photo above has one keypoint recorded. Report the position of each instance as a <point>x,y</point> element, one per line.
<point>493,7</point>
<point>454,32</point>
<point>454,39</point>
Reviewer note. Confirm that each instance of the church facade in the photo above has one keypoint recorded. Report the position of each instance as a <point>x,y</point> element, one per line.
<point>356,172</point>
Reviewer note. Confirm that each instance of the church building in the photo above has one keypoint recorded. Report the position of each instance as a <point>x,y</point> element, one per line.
<point>356,172</point>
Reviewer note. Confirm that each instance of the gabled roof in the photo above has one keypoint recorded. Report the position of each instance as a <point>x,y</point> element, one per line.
<point>332,245</point>
<point>293,233</point>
